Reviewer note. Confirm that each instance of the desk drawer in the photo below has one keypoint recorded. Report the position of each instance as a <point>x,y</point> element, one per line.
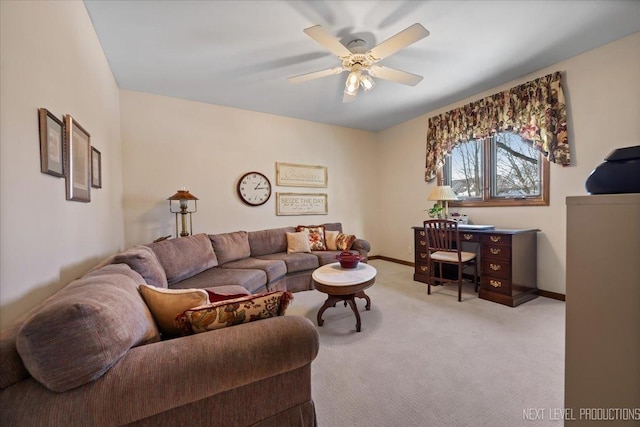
<point>495,284</point>
<point>421,257</point>
<point>421,244</point>
<point>496,239</point>
<point>496,268</point>
<point>493,251</point>
<point>465,236</point>
<point>422,269</point>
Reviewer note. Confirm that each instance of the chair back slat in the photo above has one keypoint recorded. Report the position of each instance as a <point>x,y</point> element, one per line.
<point>442,235</point>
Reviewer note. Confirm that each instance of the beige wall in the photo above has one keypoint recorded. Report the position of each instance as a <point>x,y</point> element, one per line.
<point>50,57</point>
<point>170,143</point>
<point>602,88</point>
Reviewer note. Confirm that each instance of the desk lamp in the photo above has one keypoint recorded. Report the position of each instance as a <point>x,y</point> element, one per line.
<point>443,193</point>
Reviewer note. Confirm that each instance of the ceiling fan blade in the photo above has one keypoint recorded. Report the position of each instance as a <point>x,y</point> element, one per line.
<point>316,75</point>
<point>331,43</point>
<point>401,40</point>
<point>392,74</point>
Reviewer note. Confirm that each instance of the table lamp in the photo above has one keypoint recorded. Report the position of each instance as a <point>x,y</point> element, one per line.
<point>443,193</point>
<point>183,196</point>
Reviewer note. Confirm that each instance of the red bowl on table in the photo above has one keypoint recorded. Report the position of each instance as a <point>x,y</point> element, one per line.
<point>349,260</point>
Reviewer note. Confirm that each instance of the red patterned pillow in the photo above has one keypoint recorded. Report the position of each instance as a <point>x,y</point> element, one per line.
<point>214,297</point>
<point>232,312</point>
<point>317,241</point>
<point>344,241</point>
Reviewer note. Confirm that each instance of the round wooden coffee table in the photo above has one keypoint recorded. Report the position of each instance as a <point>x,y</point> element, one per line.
<point>344,284</point>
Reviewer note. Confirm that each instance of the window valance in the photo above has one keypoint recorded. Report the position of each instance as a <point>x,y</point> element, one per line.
<point>535,110</point>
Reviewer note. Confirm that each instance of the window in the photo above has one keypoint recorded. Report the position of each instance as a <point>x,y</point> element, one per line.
<point>503,170</point>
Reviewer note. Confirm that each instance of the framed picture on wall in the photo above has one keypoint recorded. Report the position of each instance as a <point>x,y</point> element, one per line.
<point>51,143</point>
<point>78,160</point>
<point>96,168</point>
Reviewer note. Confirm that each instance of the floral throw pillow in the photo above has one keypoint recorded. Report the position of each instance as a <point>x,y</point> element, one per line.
<point>344,241</point>
<point>317,241</point>
<point>232,312</point>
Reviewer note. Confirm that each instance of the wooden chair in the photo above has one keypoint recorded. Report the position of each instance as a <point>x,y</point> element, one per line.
<point>443,247</point>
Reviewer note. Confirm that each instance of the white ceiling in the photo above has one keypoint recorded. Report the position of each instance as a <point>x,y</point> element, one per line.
<point>240,53</point>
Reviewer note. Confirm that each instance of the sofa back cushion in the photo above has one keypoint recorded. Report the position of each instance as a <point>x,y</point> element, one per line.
<point>184,257</point>
<point>144,261</point>
<point>85,328</point>
<point>271,241</point>
<point>230,246</point>
<point>333,226</point>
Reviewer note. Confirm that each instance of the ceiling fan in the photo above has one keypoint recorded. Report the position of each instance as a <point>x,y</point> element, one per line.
<point>361,64</point>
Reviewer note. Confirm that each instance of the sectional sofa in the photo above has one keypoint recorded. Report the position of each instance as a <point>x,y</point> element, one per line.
<point>93,353</point>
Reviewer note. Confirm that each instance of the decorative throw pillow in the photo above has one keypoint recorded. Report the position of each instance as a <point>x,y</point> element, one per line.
<point>166,304</point>
<point>298,242</point>
<point>216,297</point>
<point>316,236</point>
<point>330,237</point>
<point>344,241</point>
<point>232,312</point>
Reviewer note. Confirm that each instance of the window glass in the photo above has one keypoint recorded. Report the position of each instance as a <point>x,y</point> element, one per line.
<point>515,167</point>
<point>504,170</point>
<point>464,169</point>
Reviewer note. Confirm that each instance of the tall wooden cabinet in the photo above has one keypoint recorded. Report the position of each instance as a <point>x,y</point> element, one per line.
<point>602,356</point>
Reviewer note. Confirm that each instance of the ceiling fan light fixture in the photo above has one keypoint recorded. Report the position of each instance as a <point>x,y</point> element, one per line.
<point>367,82</point>
<point>352,83</point>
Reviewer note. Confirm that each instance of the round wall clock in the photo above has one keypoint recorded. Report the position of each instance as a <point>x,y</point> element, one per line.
<point>254,188</point>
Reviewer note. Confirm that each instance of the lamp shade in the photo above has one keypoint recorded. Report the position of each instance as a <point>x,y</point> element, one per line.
<point>183,195</point>
<point>443,192</point>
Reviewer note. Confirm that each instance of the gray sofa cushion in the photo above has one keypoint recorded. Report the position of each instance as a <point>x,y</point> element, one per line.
<point>184,257</point>
<point>252,280</point>
<point>271,241</point>
<point>86,327</point>
<point>333,226</point>
<point>143,260</point>
<point>296,261</point>
<point>275,269</point>
<point>230,247</point>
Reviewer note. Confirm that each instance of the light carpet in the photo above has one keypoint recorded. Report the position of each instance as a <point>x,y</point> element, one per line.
<point>429,360</point>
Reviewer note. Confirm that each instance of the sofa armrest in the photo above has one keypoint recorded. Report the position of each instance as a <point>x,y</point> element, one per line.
<point>362,246</point>
<point>157,377</point>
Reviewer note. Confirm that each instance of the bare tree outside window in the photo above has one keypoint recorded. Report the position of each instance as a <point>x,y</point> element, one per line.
<point>503,170</point>
<point>464,171</point>
<point>517,167</point>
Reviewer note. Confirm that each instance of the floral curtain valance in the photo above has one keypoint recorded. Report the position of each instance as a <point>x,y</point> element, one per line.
<point>535,110</point>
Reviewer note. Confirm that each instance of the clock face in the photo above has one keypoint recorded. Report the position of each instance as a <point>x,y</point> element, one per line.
<point>254,188</point>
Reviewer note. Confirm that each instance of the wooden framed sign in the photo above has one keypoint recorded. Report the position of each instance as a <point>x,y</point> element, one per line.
<point>301,204</point>
<point>292,175</point>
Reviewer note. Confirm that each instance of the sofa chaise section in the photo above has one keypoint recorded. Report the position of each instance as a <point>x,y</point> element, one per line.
<point>51,374</point>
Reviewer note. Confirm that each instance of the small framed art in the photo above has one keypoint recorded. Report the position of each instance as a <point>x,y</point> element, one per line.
<point>96,168</point>
<point>51,143</point>
<point>78,161</point>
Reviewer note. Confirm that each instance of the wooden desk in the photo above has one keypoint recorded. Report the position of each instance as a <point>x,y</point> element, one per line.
<point>507,262</point>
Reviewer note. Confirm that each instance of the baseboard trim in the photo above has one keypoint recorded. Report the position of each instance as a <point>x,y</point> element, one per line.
<point>542,293</point>
<point>552,295</point>
<point>397,261</point>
